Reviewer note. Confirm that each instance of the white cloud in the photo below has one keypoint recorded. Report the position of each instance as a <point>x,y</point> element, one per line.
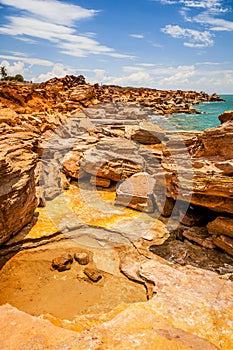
<point>120,55</point>
<point>52,10</point>
<point>146,64</point>
<point>212,5</point>
<point>202,76</point>
<point>18,53</point>
<point>216,24</point>
<point>15,68</point>
<point>31,61</point>
<point>168,2</point>
<point>196,38</point>
<point>132,69</point>
<point>137,36</point>
<point>204,4</point>
<point>134,79</point>
<point>58,70</point>
<point>180,76</point>
<point>54,20</point>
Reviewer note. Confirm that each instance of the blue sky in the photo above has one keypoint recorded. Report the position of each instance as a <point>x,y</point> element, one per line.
<point>163,44</point>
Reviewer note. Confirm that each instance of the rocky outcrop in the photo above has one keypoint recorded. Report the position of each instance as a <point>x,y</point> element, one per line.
<point>198,171</point>
<point>62,95</point>
<point>17,185</point>
<point>104,146</point>
<point>200,168</point>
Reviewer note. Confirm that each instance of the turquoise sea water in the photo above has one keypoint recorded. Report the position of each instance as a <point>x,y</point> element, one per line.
<point>207,119</point>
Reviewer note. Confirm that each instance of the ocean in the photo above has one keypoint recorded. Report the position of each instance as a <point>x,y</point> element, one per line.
<point>207,119</point>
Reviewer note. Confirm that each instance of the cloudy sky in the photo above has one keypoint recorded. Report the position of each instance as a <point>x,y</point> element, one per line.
<point>164,44</point>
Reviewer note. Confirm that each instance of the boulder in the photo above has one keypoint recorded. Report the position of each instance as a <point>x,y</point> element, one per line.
<point>115,159</point>
<point>71,164</point>
<point>216,142</point>
<point>148,133</point>
<point>137,192</point>
<point>226,116</point>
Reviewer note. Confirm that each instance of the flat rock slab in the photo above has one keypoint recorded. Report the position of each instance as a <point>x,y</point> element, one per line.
<point>137,192</point>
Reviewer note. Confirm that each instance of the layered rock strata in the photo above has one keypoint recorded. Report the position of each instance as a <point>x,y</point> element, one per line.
<point>199,171</point>
<point>104,147</point>
<point>17,187</point>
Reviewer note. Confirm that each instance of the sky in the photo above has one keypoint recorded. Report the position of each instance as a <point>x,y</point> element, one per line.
<point>162,44</point>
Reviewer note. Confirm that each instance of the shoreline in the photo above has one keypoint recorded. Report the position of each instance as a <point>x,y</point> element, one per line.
<point>77,173</point>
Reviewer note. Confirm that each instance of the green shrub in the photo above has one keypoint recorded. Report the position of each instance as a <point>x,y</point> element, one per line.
<point>19,77</point>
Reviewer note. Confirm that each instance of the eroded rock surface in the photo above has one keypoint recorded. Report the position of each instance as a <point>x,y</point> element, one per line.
<point>17,186</point>
<point>188,308</point>
<point>115,159</point>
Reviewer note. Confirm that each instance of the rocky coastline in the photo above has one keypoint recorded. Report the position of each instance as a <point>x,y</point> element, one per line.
<point>152,204</point>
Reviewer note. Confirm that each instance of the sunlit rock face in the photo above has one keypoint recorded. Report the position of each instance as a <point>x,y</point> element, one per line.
<point>188,307</point>
<point>17,184</point>
<point>116,159</point>
<point>129,328</point>
<point>201,167</point>
<point>179,315</point>
<point>137,192</point>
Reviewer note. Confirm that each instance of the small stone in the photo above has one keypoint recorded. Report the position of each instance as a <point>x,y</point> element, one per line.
<point>93,274</point>
<point>82,258</point>
<point>62,263</point>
